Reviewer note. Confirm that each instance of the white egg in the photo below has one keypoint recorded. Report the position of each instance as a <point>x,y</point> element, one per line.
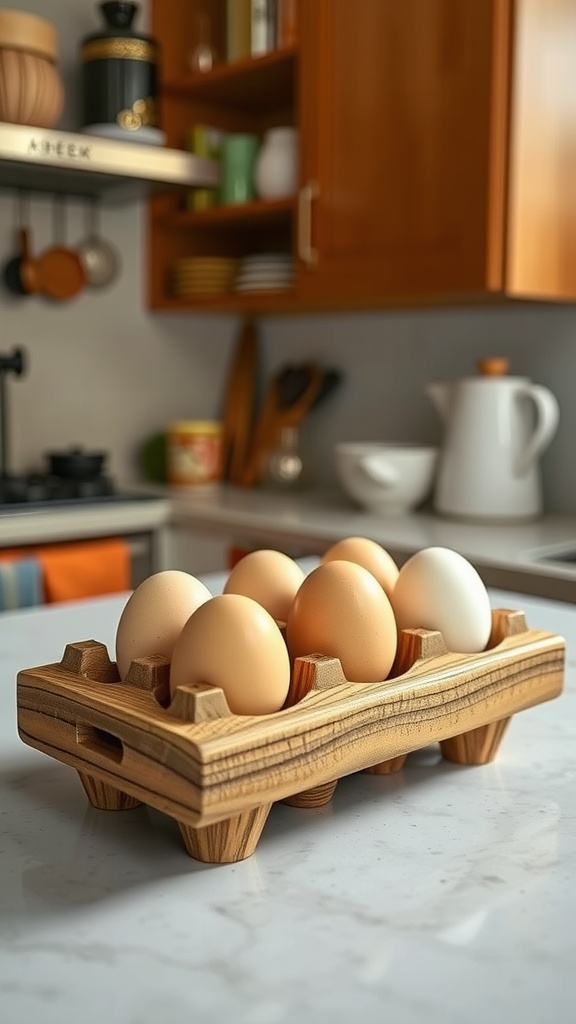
<point>439,589</point>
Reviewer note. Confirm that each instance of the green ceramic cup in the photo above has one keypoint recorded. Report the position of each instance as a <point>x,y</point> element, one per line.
<point>238,156</point>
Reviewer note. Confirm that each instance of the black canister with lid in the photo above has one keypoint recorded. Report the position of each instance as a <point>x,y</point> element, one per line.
<point>119,74</point>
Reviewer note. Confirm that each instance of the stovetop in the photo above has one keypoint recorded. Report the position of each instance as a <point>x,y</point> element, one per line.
<point>42,491</point>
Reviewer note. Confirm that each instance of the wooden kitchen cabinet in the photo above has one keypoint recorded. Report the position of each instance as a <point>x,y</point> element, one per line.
<point>438,152</point>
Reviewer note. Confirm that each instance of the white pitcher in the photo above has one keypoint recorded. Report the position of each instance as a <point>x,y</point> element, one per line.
<point>496,427</point>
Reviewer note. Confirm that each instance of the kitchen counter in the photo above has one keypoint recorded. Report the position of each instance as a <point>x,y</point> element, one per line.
<point>514,556</point>
<point>76,521</point>
<point>518,557</point>
<point>440,894</point>
<point>140,519</point>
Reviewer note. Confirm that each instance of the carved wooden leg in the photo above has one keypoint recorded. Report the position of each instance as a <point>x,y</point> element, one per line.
<point>227,841</point>
<point>318,796</point>
<point>479,746</point>
<point>106,797</point>
<point>395,764</point>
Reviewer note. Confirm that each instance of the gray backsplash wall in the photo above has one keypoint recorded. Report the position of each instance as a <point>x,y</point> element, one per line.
<point>105,373</point>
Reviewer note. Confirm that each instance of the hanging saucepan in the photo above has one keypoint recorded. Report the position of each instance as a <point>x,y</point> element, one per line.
<point>19,272</point>
<point>59,271</point>
<point>76,464</point>
<point>98,257</point>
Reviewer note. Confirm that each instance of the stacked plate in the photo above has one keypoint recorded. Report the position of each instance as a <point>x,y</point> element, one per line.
<point>267,271</point>
<point>203,275</point>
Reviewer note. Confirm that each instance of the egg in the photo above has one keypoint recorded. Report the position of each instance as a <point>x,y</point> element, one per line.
<point>154,615</point>
<point>370,555</point>
<point>232,642</point>
<point>438,588</point>
<point>269,577</point>
<point>342,611</point>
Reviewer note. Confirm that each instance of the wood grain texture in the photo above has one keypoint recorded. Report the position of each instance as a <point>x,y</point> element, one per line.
<point>455,184</point>
<point>390,767</point>
<point>541,259</point>
<point>410,196</point>
<point>226,842</point>
<point>106,797</point>
<point>318,796</point>
<point>219,767</point>
<point>478,746</point>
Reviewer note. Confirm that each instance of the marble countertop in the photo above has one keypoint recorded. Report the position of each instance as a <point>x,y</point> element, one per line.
<point>517,556</point>
<point>441,894</point>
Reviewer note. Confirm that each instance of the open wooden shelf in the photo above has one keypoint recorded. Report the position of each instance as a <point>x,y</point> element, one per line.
<point>261,211</point>
<point>229,302</point>
<point>256,81</point>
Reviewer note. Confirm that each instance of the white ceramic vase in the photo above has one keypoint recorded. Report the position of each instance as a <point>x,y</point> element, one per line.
<point>276,169</point>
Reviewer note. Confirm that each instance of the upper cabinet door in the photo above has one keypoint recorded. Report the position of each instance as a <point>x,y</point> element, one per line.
<point>404,109</point>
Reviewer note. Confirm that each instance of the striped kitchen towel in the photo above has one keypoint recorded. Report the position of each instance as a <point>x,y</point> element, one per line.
<point>20,584</point>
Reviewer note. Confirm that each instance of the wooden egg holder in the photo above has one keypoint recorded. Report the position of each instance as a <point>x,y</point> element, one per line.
<point>218,774</point>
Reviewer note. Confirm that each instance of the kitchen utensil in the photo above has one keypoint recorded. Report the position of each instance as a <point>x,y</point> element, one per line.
<point>239,403</point>
<point>290,396</point>
<point>31,89</point>
<point>495,428</point>
<point>76,464</point>
<point>59,270</point>
<point>19,274</point>
<point>386,479</point>
<point>331,380</point>
<point>99,259</point>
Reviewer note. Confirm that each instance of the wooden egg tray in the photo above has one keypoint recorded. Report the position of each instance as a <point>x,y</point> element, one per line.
<point>218,774</point>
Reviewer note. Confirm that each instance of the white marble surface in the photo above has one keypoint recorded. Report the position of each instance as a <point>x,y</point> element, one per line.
<point>443,895</point>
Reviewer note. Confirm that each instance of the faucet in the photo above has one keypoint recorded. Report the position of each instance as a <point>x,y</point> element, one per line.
<point>14,363</point>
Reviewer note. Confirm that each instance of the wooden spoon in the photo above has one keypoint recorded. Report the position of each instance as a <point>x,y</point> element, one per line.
<point>59,271</point>
<point>290,395</point>
<point>239,401</point>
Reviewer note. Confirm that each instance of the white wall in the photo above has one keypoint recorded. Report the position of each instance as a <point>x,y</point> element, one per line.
<point>105,373</point>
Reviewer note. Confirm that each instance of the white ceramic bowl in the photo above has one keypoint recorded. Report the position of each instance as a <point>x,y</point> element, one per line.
<point>386,479</point>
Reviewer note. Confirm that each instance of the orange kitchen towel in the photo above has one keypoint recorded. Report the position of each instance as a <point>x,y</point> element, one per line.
<point>80,569</point>
<point>87,569</point>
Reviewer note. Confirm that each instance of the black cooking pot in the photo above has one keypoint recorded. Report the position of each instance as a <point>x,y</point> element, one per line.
<point>76,464</point>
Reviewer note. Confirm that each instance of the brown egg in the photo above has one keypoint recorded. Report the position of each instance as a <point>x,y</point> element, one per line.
<point>269,577</point>
<point>341,610</point>
<point>154,615</point>
<point>232,642</point>
<point>370,555</point>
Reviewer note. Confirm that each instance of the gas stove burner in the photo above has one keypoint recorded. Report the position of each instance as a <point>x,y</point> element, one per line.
<point>99,487</point>
<point>37,487</point>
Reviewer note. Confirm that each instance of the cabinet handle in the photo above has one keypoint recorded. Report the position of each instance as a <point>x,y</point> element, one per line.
<point>306,252</point>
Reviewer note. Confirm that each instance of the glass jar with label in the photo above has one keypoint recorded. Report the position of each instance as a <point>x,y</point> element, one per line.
<point>194,452</point>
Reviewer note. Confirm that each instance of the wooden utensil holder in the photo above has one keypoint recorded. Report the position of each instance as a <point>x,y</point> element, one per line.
<point>218,774</point>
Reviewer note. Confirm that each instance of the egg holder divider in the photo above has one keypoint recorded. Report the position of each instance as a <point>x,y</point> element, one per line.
<point>218,774</point>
